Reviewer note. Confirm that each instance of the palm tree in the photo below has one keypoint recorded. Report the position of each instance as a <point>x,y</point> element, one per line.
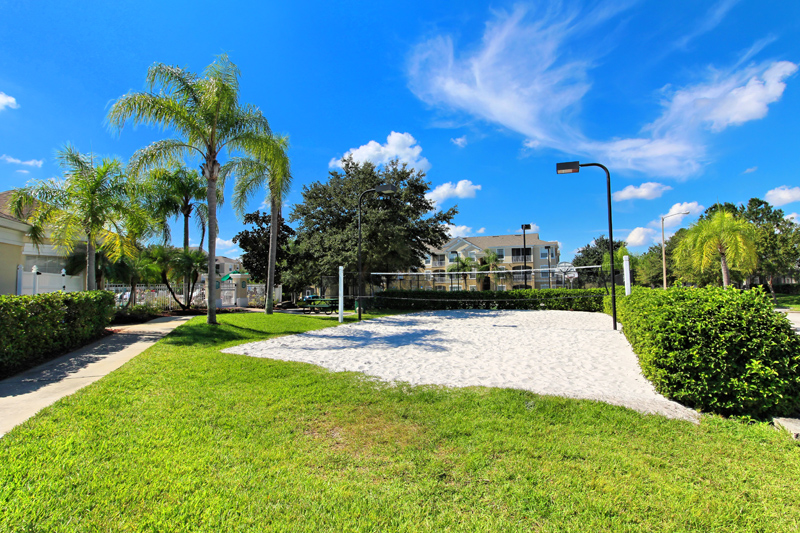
<point>463,264</point>
<point>721,237</point>
<point>91,203</point>
<point>271,168</point>
<point>490,262</point>
<point>205,113</point>
<point>176,192</point>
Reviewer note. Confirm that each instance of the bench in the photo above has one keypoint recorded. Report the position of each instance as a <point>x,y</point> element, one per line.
<point>320,304</point>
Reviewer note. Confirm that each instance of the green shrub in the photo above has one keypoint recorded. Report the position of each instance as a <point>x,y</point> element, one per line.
<point>134,314</point>
<point>720,350</point>
<point>563,299</point>
<point>34,328</point>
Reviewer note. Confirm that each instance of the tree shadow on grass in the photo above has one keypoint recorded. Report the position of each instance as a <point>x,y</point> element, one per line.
<point>201,335</point>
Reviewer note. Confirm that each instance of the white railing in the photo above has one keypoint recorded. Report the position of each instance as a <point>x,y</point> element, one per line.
<point>520,258</point>
<point>156,296</point>
<point>438,263</point>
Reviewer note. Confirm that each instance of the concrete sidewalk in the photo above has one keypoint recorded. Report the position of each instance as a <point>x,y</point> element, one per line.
<point>25,394</point>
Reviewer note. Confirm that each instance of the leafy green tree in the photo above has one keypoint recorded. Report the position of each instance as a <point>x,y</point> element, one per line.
<point>649,268</point>
<point>396,230</point>
<point>720,237</point>
<point>90,205</point>
<point>207,118</point>
<point>257,243</point>
<point>591,255</point>
<point>619,261</point>
<point>463,265</point>
<point>777,241</point>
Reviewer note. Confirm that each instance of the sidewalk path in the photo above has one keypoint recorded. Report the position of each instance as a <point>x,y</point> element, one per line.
<point>25,394</point>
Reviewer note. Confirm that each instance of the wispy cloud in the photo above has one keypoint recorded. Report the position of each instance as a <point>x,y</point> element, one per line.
<point>707,23</point>
<point>7,101</point>
<point>401,146</point>
<point>461,142</point>
<point>462,189</point>
<point>645,191</point>
<point>30,163</point>
<point>21,171</point>
<point>526,76</point>
<point>481,231</point>
<point>783,195</point>
<point>793,217</point>
<point>749,170</point>
<point>651,233</point>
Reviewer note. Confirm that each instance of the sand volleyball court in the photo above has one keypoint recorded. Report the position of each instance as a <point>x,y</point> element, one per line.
<point>562,353</point>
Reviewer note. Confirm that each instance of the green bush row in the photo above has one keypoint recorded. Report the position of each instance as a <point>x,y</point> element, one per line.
<point>724,351</point>
<point>560,299</point>
<point>32,328</point>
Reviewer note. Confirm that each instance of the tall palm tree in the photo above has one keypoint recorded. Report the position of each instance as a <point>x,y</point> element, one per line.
<point>174,192</point>
<point>490,262</point>
<point>268,167</point>
<point>721,237</point>
<point>463,264</point>
<point>207,118</point>
<point>90,203</point>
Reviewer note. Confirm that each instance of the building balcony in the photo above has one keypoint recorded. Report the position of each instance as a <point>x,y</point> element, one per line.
<point>438,263</point>
<point>521,258</point>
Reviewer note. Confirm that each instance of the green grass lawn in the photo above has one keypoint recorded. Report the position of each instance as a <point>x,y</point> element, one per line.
<point>184,438</point>
<point>792,301</point>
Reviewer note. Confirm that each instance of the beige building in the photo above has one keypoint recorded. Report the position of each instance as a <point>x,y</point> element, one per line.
<point>512,259</point>
<point>18,257</point>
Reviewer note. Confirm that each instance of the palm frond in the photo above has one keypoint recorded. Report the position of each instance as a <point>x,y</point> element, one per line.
<point>160,154</point>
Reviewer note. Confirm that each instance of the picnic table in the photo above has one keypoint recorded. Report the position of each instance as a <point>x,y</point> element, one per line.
<point>328,305</point>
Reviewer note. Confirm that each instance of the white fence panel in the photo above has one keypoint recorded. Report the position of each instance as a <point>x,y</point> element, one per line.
<point>51,283</point>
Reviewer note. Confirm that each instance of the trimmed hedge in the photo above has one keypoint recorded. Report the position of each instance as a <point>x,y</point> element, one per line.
<point>34,328</point>
<point>724,351</point>
<point>561,299</point>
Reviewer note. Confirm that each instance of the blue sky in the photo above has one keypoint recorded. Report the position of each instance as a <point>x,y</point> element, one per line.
<point>686,102</point>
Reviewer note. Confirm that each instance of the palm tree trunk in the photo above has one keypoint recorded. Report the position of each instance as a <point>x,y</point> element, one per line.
<point>726,275</point>
<point>273,251</point>
<point>211,172</point>
<point>91,279</point>
<point>186,299</point>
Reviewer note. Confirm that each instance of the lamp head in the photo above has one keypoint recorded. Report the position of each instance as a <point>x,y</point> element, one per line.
<point>386,189</point>
<point>526,226</point>
<point>568,168</point>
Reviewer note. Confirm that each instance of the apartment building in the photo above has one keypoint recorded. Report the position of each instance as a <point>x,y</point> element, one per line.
<point>513,256</point>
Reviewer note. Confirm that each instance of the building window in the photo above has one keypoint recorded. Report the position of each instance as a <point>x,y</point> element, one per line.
<point>501,287</point>
<point>473,288</point>
<point>543,275</point>
<point>473,275</point>
<point>45,264</point>
<point>544,254</point>
<point>427,260</point>
<point>453,257</point>
<point>501,254</point>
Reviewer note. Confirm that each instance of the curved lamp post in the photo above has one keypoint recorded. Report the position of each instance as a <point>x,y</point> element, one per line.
<point>385,189</point>
<point>573,167</point>
<point>525,258</point>
<point>663,248</point>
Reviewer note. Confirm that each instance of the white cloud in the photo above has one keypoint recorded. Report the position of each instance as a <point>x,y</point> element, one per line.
<point>793,217</point>
<point>646,191</point>
<point>526,76</point>
<point>461,142</point>
<point>481,231</point>
<point>7,101</point>
<point>458,231</point>
<point>23,171</point>
<point>30,163</point>
<point>783,195</point>
<point>675,214</point>
<point>749,170</point>
<point>222,243</point>
<point>401,146</point>
<point>462,189</point>
<point>640,236</point>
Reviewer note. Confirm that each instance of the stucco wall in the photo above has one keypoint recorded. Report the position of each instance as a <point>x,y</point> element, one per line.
<point>10,257</point>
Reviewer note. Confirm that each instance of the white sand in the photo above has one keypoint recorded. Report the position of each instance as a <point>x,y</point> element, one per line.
<point>561,353</point>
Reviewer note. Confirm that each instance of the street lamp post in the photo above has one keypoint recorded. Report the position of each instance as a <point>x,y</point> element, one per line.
<point>385,189</point>
<point>573,167</point>
<point>525,257</point>
<point>663,248</point>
